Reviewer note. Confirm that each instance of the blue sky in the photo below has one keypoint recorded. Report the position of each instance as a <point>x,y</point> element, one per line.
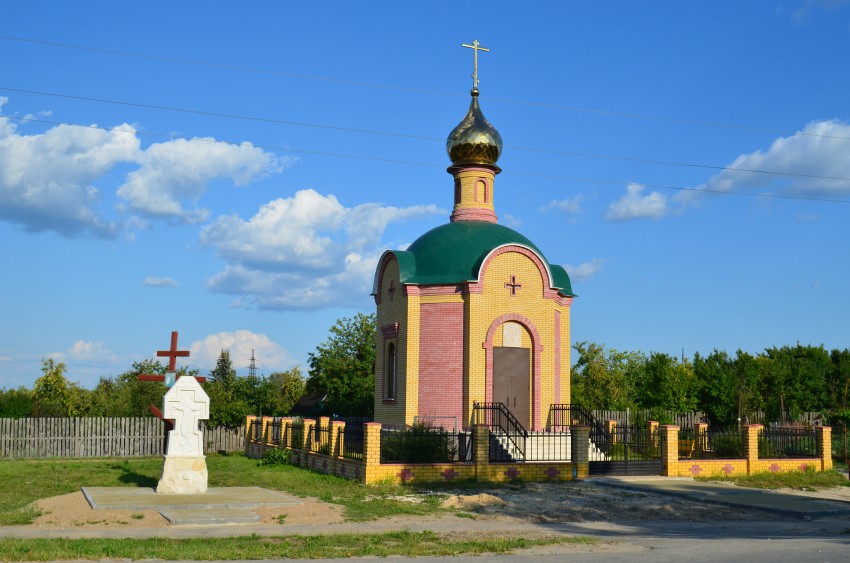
<point>310,138</point>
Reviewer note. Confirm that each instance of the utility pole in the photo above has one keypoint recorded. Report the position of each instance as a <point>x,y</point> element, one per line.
<point>252,367</point>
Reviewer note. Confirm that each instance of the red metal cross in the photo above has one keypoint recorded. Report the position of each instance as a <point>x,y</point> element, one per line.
<point>172,354</point>
<point>513,285</point>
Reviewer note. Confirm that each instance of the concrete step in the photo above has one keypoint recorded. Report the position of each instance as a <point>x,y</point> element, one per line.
<point>210,516</point>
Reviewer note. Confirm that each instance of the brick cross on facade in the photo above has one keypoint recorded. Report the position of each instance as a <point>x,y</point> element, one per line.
<point>513,285</point>
<point>728,469</point>
<point>774,468</point>
<point>804,467</point>
<point>512,473</point>
<point>449,474</point>
<point>405,475</point>
<point>552,472</point>
<point>695,470</point>
<point>391,289</point>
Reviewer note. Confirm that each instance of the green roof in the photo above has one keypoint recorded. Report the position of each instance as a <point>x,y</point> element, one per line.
<point>454,252</point>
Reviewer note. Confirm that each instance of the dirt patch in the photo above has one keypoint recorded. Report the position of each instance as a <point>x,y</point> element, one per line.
<point>581,501</point>
<point>73,511</point>
<point>312,511</point>
<point>472,502</point>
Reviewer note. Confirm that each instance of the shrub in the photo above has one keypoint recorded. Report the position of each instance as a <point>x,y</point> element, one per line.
<point>275,456</point>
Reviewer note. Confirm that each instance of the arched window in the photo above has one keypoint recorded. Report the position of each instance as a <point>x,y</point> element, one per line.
<point>457,191</point>
<point>390,386</point>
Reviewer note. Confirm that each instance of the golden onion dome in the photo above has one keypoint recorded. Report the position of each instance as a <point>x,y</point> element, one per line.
<point>474,140</point>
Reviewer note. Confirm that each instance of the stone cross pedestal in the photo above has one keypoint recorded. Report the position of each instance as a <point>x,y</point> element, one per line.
<point>185,467</point>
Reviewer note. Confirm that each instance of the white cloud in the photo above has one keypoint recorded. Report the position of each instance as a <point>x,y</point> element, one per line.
<point>269,355</point>
<point>808,6</point>
<point>819,149</point>
<point>511,221</point>
<point>47,180</point>
<point>83,351</point>
<point>303,252</point>
<point>568,205</point>
<point>176,172</point>
<point>585,270</point>
<point>154,281</point>
<point>634,205</point>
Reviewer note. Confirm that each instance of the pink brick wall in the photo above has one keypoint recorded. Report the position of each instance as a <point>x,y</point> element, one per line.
<point>441,360</point>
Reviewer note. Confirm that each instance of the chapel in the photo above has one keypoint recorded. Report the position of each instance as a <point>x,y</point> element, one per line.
<point>472,311</point>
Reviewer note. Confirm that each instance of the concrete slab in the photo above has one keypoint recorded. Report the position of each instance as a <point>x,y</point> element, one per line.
<point>216,507</point>
<point>805,508</point>
<point>210,517</point>
<point>145,498</point>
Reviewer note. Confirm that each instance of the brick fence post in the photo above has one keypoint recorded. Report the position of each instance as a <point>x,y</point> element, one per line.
<point>372,452</point>
<point>652,431</point>
<point>249,432</point>
<point>309,439</point>
<point>324,422</point>
<point>823,435</point>
<point>611,428</point>
<point>285,437</point>
<point>669,434</point>
<point>337,437</point>
<point>701,436</point>
<point>481,450</point>
<point>580,449</point>
<point>751,446</point>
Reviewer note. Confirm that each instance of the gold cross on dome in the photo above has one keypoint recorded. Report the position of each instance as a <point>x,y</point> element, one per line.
<point>475,47</point>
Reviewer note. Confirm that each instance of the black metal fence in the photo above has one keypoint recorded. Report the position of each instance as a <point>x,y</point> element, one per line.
<point>627,443</point>
<point>418,445</point>
<point>711,444</point>
<point>787,442</point>
<point>296,430</point>
<point>321,438</point>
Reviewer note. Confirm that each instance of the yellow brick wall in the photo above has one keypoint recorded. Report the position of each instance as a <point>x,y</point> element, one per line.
<point>496,300</point>
<point>468,180</point>
<point>396,310</point>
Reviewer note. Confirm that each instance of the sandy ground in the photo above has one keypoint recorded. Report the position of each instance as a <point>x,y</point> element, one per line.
<point>73,511</point>
<point>573,501</point>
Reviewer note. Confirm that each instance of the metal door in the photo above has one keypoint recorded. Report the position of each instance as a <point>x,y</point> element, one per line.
<point>512,380</point>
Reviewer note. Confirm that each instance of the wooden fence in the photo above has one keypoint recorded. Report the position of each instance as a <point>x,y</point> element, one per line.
<point>35,438</point>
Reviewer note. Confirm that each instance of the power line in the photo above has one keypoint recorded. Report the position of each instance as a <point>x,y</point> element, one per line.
<point>545,105</point>
<point>432,165</point>
<point>412,136</point>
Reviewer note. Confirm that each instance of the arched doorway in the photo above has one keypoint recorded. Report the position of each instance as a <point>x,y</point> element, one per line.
<point>513,370</point>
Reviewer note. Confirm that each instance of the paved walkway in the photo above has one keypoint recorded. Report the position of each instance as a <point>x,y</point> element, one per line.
<point>805,508</point>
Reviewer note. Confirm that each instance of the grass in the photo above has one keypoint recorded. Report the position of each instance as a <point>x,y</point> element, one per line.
<point>25,481</point>
<point>808,481</point>
<point>405,543</point>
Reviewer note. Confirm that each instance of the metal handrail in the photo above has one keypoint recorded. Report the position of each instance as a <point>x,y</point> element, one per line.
<point>511,428</point>
<point>599,434</point>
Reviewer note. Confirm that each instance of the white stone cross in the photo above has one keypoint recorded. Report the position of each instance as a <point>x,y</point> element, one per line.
<point>186,403</point>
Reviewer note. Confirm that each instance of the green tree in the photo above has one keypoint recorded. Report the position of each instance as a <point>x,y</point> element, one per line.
<point>795,380</point>
<point>289,386</point>
<point>223,372</point>
<point>232,398</point>
<point>54,396</point>
<point>604,382</point>
<point>343,368</point>
<point>126,395</point>
<point>15,403</point>
<point>665,384</point>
